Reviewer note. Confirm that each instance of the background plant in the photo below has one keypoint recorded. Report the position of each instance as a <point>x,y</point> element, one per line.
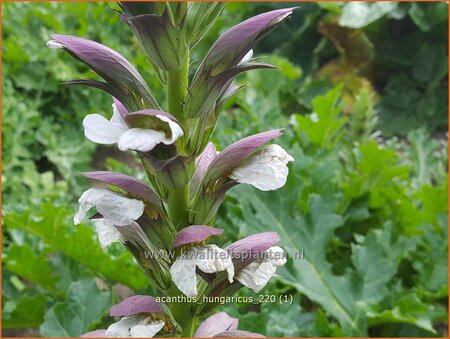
<point>338,178</point>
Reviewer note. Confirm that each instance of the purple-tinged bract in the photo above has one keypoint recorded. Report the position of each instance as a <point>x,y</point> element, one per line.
<point>112,67</point>
<point>249,249</point>
<point>135,305</point>
<point>94,334</point>
<point>215,324</point>
<point>132,185</point>
<point>238,334</point>
<point>195,233</point>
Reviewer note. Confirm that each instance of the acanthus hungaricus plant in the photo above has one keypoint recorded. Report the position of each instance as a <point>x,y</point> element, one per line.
<point>188,178</point>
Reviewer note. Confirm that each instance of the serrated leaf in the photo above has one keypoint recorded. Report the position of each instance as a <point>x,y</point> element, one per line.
<point>324,126</point>
<point>23,261</point>
<point>28,312</point>
<point>311,275</point>
<point>84,305</point>
<point>376,169</point>
<point>409,309</point>
<point>431,260</point>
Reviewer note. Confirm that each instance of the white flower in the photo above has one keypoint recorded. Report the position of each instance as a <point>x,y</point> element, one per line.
<point>116,209</point>
<point>257,274</point>
<point>137,326</point>
<point>208,258</point>
<point>103,131</point>
<point>267,170</point>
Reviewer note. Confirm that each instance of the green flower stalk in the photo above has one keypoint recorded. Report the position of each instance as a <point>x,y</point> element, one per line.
<point>173,212</point>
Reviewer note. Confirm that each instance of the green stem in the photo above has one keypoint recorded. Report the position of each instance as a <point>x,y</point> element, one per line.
<point>178,198</point>
<point>177,89</point>
<point>183,313</point>
<point>177,206</point>
<point>188,330</point>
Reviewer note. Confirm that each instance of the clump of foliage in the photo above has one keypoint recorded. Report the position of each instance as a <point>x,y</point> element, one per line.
<point>397,50</point>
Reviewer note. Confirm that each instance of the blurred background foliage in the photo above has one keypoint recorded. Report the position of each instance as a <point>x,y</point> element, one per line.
<point>361,91</point>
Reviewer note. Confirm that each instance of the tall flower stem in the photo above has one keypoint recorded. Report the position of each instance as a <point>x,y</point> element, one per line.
<point>177,88</point>
<point>183,313</point>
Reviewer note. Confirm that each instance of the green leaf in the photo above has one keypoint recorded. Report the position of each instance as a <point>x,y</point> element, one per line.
<point>325,125</point>
<point>427,15</point>
<point>311,275</point>
<point>23,261</point>
<point>373,270</point>
<point>364,283</point>
<point>430,66</point>
<point>275,320</point>
<point>404,104</point>
<point>361,14</point>
<point>84,305</point>
<point>28,311</point>
<point>69,271</point>
<point>273,312</point>
<point>376,169</point>
<point>431,259</point>
<point>423,153</point>
<point>53,224</point>
<point>409,309</point>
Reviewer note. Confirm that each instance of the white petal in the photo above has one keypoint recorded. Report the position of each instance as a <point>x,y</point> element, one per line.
<point>275,255</point>
<point>139,139</point>
<point>83,208</point>
<point>147,331</point>
<point>212,259</point>
<point>54,44</point>
<point>116,209</point>
<point>100,130</point>
<point>247,57</point>
<point>121,329</point>
<point>117,119</point>
<point>183,274</point>
<point>176,131</point>
<point>257,274</point>
<point>107,234</point>
<point>266,170</point>
<point>208,258</point>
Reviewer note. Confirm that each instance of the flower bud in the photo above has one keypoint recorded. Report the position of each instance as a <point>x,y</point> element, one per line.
<point>123,81</point>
